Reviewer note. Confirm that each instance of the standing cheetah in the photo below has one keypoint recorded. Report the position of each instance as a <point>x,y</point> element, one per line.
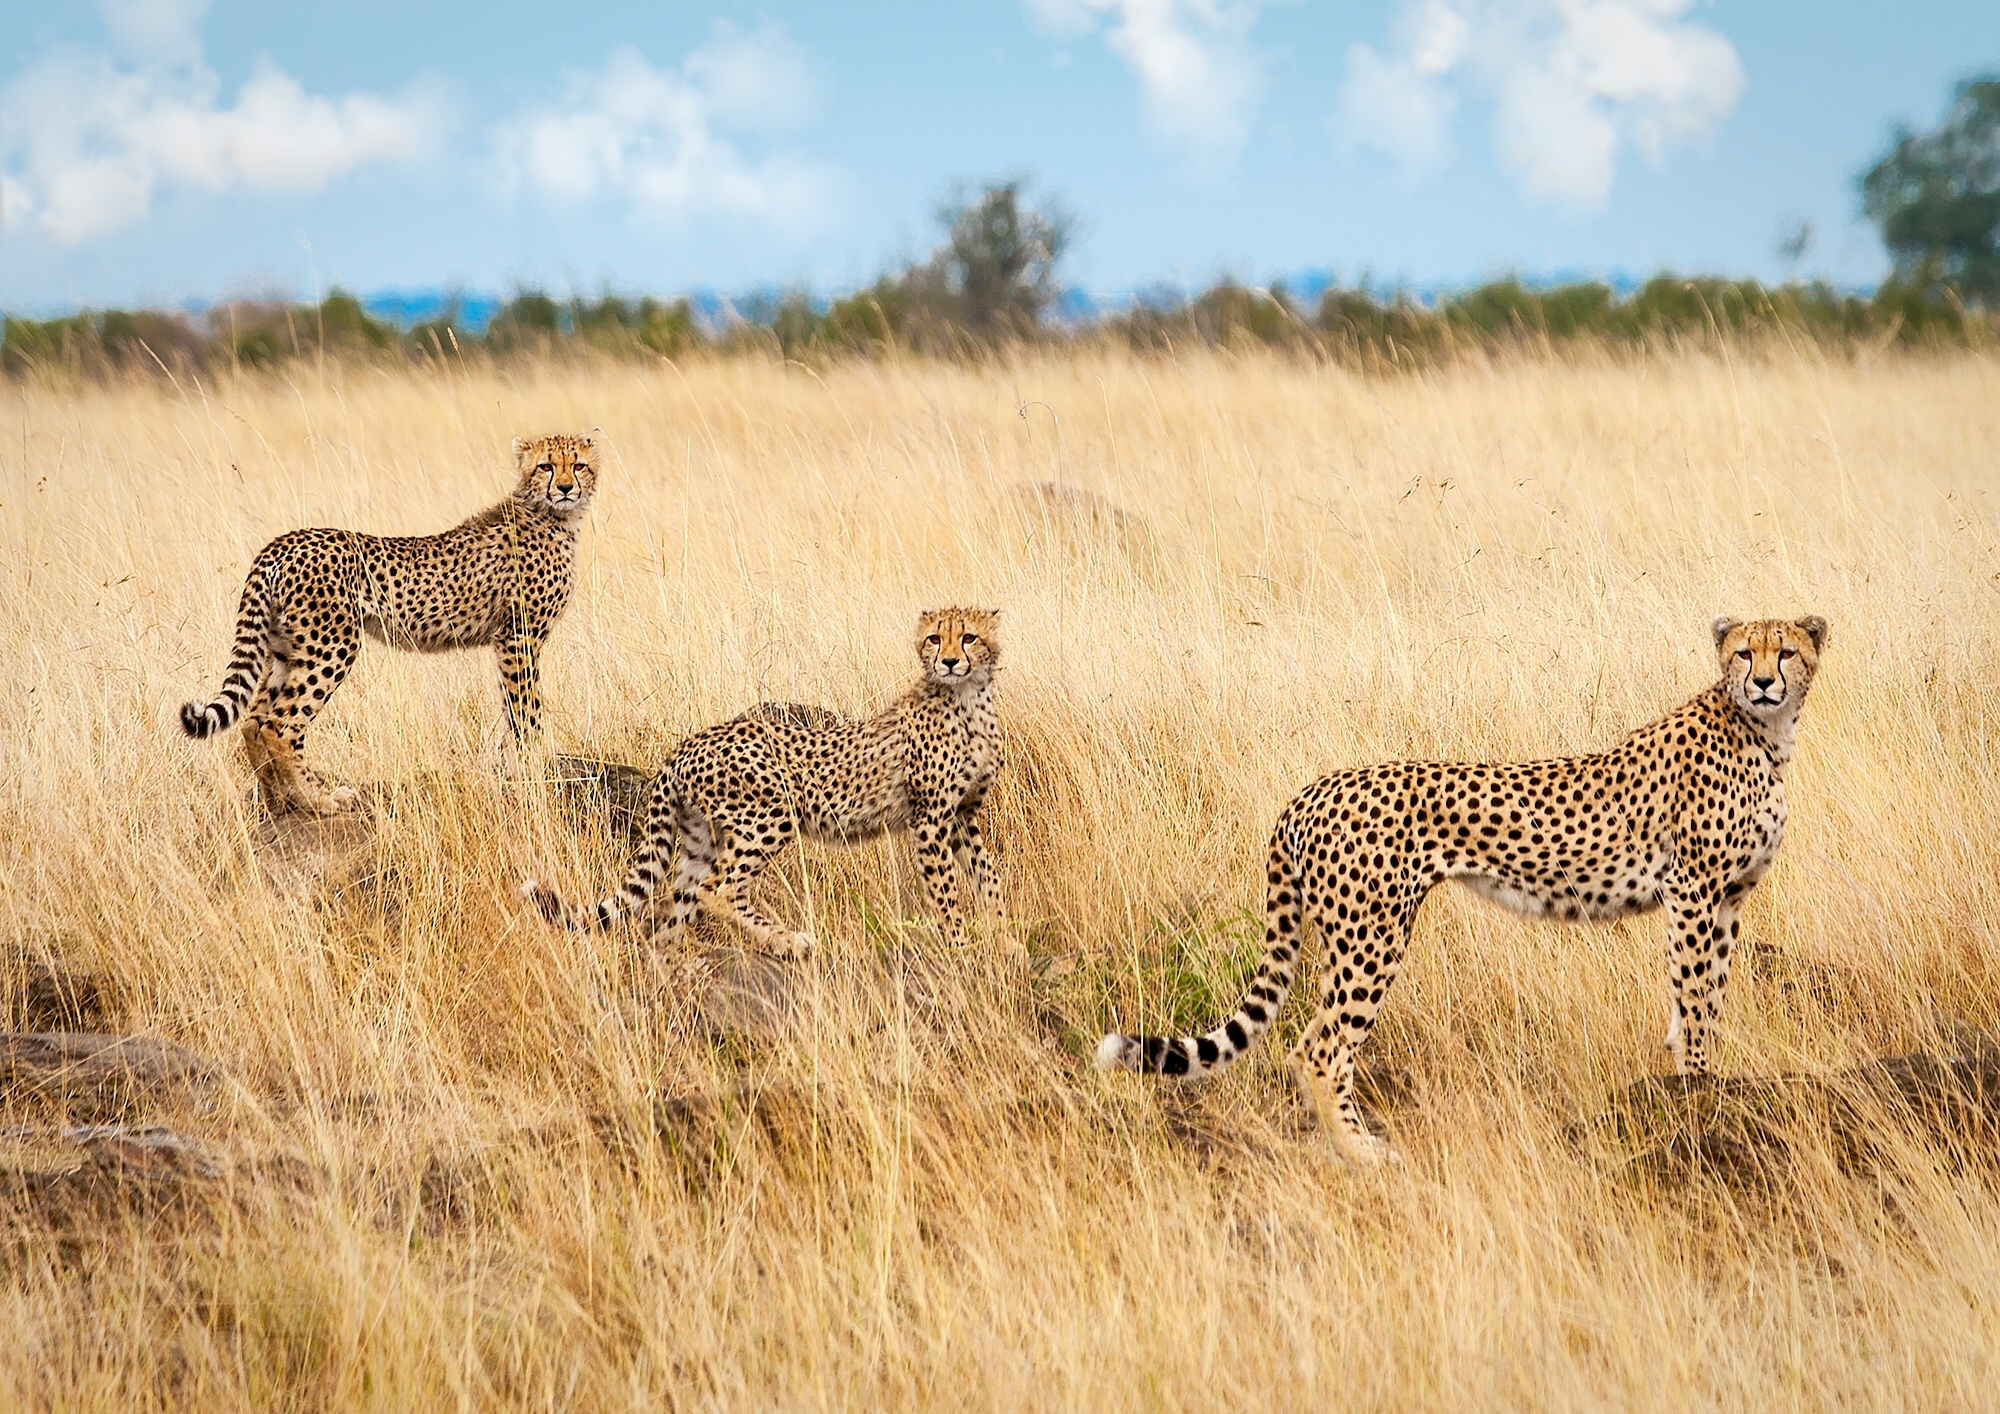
<point>732,797</point>
<point>500,578</point>
<point>1685,814</point>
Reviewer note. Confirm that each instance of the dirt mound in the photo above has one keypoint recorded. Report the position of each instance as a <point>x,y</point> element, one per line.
<point>1749,1134</point>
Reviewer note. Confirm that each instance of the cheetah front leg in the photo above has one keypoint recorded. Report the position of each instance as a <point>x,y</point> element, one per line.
<point>940,870</point>
<point>518,653</point>
<point>1702,930</point>
<point>969,852</point>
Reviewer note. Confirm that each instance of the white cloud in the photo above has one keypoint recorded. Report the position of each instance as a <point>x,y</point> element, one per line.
<point>158,33</point>
<point>762,80</point>
<point>1201,77</point>
<point>85,144</point>
<point>15,204</point>
<point>1570,82</point>
<point>1387,104</point>
<point>649,137</point>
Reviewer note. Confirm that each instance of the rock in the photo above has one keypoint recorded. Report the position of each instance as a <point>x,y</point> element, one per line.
<point>603,792</point>
<point>77,1177</point>
<point>797,714</point>
<point>309,856</point>
<point>617,794</point>
<point>91,1075</point>
<point>151,1151</point>
<point>742,994</point>
<point>708,1134</point>
<point>1744,1131</point>
<point>53,999</point>
<point>1076,522</point>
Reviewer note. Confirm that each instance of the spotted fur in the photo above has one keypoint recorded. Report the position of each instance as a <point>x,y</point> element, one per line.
<point>732,798</point>
<point>500,578</point>
<point>1685,815</point>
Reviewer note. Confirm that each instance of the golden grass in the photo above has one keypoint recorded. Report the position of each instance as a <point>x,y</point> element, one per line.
<point>481,1163</point>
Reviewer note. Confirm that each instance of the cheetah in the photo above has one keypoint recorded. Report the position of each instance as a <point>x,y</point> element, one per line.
<point>1685,815</point>
<point>732,797</point>
<point>500,578</point>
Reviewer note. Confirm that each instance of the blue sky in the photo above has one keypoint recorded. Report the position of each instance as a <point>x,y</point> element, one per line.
<point>175,150</point>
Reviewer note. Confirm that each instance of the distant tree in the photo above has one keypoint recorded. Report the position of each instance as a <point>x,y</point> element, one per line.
<point>1936,197</point>
<point>1001,255</point>
<point>342,323</point>
<point>991,280</point>
<point>1795,243</point>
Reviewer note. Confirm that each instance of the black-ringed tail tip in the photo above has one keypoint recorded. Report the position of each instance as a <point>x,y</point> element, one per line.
<point>546,900</point>
<point>551,905</point>
<point>199,720</point>
<point>1116,1053</point>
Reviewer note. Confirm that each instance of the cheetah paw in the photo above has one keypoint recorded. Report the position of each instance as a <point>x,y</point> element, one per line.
<point>344,800</point>
<point>799,944</point>
<point>1367,1151</point>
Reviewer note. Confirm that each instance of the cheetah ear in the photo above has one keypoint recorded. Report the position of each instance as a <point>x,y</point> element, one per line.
<point>589,439</point>
<point>1722,628</point>
<point>1816,629</point>
<point>923,614</point>
<point>520,445</point>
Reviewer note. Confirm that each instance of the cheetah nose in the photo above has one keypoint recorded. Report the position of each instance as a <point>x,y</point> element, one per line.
<point>1763,682</point>
<point>949,662</point>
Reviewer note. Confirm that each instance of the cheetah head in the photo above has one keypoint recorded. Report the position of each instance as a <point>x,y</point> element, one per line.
<point>558,472</point>
<point>957,645</point>
<point>1769,664</point>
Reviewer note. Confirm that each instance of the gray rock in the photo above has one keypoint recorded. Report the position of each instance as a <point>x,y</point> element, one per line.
<point>93,1076</point>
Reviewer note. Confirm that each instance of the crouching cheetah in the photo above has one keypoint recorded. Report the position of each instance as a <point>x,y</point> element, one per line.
<point>1686,815</point>
<point>500,578</point>
<point>732,797</point>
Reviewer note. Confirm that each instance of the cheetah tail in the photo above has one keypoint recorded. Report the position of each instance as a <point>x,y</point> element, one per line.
<point>246,665</point>
<point>552,907</point>
<point>1198,1055</point>
<point>648,868</point>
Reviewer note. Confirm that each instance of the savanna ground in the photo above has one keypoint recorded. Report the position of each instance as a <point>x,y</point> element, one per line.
<point>468,1161</point>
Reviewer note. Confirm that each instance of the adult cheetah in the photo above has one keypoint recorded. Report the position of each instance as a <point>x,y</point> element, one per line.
<point>1686,815</point>
<point>500,578</point>
<point>732,797</point>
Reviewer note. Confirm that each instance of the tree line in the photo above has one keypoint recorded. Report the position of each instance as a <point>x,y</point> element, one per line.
<point>991,285</point>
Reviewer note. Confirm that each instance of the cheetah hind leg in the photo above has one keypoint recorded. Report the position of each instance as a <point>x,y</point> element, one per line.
<point>1323,1063</point>
<point>287,781</point>
<point>736,871</point>
<point>296,686</point>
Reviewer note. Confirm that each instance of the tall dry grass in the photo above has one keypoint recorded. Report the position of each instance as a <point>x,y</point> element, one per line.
<point>481,1163</point>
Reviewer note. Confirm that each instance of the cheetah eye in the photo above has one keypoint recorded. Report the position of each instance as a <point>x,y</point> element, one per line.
<point>970,638</point>
<point>934,640</point>
<point>1744,654</point>
<point>1788,653</point>
<point>546,467</point>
